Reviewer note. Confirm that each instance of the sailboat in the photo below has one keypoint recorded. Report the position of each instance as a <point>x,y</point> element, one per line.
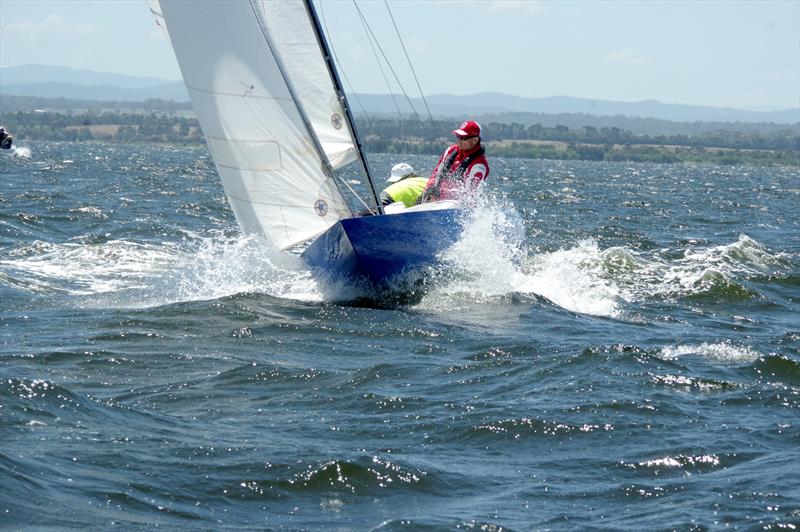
<point>6,147</point>
<point>277,123</point>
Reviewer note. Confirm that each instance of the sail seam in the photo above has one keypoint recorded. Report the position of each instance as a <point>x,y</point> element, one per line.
<point>282,205</point>
<point>238,94</point>
<point>230,167</point>
<point>230,139</point>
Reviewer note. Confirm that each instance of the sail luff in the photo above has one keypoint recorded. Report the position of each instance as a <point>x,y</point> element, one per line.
<point>337,84</point>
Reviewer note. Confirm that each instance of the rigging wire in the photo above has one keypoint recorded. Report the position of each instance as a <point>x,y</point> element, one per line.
<point>388,63</point>
<point>336,58</point>
<point>368,31</point>
<point>411,66</point>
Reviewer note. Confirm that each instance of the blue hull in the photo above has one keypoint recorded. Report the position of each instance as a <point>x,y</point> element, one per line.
<point>387,250</point>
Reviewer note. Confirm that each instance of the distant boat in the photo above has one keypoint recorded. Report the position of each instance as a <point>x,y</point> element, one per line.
<point>277,124</point>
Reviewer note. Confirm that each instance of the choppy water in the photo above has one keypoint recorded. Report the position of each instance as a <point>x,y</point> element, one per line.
<point>633,363</point>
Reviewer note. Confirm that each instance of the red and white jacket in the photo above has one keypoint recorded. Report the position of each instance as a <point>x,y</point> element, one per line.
<point>457,173</point>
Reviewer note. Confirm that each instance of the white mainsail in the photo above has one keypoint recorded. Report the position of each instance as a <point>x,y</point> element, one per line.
<point>268,109</point>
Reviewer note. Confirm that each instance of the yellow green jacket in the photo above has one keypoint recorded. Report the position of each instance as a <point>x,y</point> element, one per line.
<point>406,190</point>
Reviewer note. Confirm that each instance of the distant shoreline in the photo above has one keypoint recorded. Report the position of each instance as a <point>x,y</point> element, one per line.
<point>654,153</point>
<point>586,143</point>
<point>597,153</point>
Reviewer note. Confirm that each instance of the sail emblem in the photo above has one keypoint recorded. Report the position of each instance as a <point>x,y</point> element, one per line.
<point>321,206</point>
<point>336,121</point>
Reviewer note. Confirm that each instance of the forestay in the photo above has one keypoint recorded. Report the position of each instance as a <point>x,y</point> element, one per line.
<point>268,109</point>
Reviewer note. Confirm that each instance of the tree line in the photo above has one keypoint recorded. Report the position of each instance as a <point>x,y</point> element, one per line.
<point>393,135</point>
<point>637,124</point>
<point>607,152</point>
<point>389,129</point>
<point>104,125</point>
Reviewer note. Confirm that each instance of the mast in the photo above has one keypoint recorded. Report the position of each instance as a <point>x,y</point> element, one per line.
<point>337,85</point>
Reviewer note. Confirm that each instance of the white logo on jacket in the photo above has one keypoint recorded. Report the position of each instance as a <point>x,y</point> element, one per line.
<point>478,171</point>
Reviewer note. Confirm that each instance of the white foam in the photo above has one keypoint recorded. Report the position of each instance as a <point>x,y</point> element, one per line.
<point>662,274</point>
<point>222,267</point>
<point>489,265</point>
<point>23,152</point>
<point>573,279</point>
<point>720,352</point>
<point>491,262</point>
<point>583,278</point>
<point>80,269</point>
<point>129,274</point>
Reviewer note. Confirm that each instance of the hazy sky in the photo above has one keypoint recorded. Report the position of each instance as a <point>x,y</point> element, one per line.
<point>722,53</point>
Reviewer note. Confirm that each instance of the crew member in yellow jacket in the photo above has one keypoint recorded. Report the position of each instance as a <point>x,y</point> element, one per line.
<point>406,186</point>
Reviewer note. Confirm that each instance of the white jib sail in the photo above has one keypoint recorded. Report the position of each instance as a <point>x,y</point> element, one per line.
<point>254,71</point>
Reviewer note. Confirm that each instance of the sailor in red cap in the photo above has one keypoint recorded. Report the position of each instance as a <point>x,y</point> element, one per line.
<point>461,168</point>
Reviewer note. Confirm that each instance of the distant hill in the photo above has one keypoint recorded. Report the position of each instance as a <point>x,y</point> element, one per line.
<point>27,74</point>
<point>173,91</point>
<point>496,103</point>
<point>62,82</point>
<point>55,82</point>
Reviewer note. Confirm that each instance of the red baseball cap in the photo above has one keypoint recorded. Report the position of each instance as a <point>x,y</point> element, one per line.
<point>470,128</point>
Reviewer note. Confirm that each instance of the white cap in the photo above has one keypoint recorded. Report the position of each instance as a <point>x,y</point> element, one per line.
<point>399,171</point>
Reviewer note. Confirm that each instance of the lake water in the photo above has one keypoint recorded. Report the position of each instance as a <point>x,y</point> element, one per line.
<point>632,363</point>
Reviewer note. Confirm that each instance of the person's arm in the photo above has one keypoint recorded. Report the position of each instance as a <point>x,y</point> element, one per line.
<point>386,199</point>
<point>478,171</point>
<point>430,186</point>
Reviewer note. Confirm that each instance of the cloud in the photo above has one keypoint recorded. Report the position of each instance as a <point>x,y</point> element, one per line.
<point>628,57</point>
<point>34,31</point>
<point>527,7</point>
